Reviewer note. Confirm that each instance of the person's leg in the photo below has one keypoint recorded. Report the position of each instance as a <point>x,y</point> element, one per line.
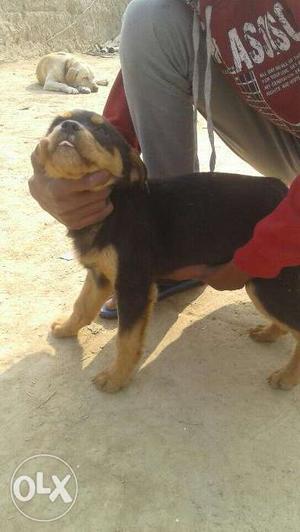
<point>166,151</point>
<point>157,64</point>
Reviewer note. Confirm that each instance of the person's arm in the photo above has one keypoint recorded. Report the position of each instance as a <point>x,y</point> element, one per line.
<point>275,244</point>
<point>224,277</point>
<point>276,240</point>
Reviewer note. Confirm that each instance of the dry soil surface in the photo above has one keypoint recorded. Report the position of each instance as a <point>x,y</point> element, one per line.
<point>198,442</point>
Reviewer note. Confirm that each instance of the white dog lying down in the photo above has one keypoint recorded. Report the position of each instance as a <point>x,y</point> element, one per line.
<point>60,71</point>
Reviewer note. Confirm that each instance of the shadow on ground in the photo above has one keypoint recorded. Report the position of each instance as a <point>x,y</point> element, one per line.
<point>164,448</point>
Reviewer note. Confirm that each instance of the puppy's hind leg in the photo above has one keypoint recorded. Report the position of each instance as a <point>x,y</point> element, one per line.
<point>264,333</point>
<point>279,299</point>
<point>95,291</point>
<point>134,311</point>
<point>288,376</point>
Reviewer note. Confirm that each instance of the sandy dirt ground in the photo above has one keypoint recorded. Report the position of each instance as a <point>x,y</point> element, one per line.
<point>198,442</point>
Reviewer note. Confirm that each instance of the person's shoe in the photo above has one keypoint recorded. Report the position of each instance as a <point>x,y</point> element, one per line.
<point>165,289</point>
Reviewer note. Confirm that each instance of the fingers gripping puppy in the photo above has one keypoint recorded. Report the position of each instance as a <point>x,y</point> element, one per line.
<point>155,228</point>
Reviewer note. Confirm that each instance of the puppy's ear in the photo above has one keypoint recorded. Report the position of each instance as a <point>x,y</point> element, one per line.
<point>138,170</point>
<point>40,154</point>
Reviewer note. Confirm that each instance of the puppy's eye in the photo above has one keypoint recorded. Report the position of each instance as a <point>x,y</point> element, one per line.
<point>102,134</point>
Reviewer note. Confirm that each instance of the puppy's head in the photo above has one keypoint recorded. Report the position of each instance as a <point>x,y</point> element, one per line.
<point>80,75</point>
<point>82,142</point>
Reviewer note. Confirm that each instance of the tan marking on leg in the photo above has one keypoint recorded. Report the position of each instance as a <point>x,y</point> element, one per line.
<point>267,333</point>
<point>104,261</point>
<point>288,376</point>
<point>250,288</point>
<point>85,308</point>
<point>129,345</point>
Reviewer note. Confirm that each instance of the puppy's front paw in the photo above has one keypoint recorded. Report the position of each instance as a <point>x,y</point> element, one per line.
<point>61,328</point>
<point>109,380</point>
<point>283,379</point>
<point>102,82</point>
<point>72,90</point>
<point>84,90</point>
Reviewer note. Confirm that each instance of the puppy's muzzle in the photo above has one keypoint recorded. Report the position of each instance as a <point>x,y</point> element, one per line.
<point>70,127</point>
<point>68,133</point>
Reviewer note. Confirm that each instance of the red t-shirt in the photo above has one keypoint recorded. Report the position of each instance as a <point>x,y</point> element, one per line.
<point>257,45</point>
<point>276,240</point>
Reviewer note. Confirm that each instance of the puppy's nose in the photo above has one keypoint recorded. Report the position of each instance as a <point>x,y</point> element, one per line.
<point>70,126</point>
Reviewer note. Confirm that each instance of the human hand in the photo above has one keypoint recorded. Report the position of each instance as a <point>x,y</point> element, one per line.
<point>74,203</point>
<point>224,277</point>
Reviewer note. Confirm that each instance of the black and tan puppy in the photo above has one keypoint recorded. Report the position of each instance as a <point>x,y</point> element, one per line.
<point>155,228</point>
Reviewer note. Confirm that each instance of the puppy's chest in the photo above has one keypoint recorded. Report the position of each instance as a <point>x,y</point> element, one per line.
<point>127,230</point>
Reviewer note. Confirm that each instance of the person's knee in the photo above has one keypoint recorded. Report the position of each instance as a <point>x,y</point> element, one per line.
<point>149,26</point>
<point>134,27</point>
<point>136,7</point>
<point>138,11</point>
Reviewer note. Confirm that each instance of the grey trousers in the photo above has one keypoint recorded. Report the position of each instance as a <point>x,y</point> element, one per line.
<point>157,62</point>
